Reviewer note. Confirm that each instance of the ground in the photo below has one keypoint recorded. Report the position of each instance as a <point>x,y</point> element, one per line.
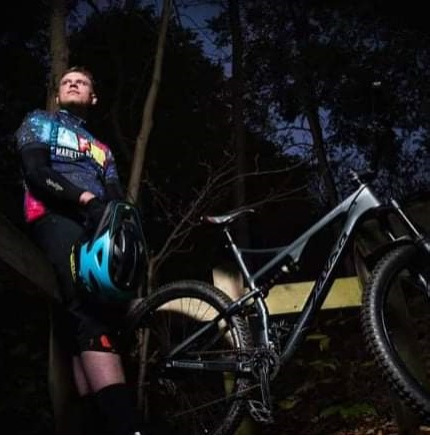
<point>333,386</point>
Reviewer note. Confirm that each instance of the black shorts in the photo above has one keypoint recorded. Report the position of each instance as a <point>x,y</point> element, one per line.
<point>83,324</point>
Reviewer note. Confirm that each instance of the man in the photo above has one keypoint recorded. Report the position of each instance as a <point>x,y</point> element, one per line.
<point>69,176</point>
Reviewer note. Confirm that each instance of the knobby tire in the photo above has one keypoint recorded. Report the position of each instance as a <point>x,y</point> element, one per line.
<point>395,317</point>
<point>189,401</point>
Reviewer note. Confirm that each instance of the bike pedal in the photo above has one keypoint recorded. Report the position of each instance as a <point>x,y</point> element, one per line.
<point>259,412</point>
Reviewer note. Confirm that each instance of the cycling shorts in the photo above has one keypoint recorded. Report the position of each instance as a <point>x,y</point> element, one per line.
<point>83,324</point>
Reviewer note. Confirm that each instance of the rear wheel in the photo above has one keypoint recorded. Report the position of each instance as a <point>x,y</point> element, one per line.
<point>188,400</point>
<point>396,324</point>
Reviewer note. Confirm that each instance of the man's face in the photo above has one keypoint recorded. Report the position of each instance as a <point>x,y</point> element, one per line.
<point>75,89</point>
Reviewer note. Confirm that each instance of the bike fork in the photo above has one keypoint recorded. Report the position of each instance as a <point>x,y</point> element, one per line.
<point>418,235</point>
<point>421,240</point>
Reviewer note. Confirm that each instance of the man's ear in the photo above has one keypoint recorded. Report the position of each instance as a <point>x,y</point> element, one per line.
<point>57,100</point>
<point>93,99</point>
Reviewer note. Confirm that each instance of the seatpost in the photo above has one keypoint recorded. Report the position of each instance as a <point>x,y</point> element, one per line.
<point>260,306</point>
<point>238,257</point>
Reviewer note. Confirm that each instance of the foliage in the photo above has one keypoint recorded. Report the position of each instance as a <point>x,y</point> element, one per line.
<point>326,391</point>
<point>189,147</point>
<point>331,56</point>
<point>349,411</point>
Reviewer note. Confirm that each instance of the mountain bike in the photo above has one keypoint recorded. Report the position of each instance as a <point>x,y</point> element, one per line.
<point>208,359</point>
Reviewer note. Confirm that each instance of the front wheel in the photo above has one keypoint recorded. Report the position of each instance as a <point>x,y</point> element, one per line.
<point>396,324</point>
<point>180,395</point>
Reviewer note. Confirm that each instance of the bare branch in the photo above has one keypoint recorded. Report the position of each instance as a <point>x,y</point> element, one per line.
<point>185,218</point>
<point>92,4</point>
<point>262,173</point>
<point>276,197</point>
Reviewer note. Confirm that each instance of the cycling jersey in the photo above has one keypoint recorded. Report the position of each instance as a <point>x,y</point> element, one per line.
<point>60,160</point>
<point>77,160</point>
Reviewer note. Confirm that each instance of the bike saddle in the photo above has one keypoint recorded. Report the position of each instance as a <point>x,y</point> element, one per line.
<point>227,218</point>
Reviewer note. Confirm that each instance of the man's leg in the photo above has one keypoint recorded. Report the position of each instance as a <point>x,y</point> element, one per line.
<point>105,375</point>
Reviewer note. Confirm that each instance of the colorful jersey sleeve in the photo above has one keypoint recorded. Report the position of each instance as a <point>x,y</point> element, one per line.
<point>75,159</point>
<point>35,130</point>
<point>111,172</point>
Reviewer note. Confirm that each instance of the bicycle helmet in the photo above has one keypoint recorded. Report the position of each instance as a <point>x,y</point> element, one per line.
<point>110,264</point>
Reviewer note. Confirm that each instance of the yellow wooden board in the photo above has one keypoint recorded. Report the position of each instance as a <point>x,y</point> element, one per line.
<point>291,297</point>
<point>282,299</point>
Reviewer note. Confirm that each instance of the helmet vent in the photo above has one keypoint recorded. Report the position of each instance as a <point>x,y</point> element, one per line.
<point>112,264</point>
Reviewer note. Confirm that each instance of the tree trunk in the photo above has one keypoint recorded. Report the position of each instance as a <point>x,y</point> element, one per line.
<point>60,374</point>
<point>59,50</point>
<point>238,137</point>
<point>326,174</point>
<point>139,160</point>
<point>321,154</point>
<point>238,129</point>
<point>309,100</point>
<point>147,117</point>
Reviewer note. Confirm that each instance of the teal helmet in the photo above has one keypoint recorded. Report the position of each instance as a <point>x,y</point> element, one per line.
<point>111,263</point>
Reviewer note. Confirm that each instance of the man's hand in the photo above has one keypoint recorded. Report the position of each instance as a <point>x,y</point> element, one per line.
<point>94,210</point>
<point>85,197</point>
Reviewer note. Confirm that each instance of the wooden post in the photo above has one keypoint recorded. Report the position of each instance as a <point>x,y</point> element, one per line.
<point>66,402</point>
<point>229,282</point>
<point>19,252</point>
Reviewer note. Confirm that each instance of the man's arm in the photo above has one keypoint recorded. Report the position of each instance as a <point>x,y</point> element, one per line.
<point>47,183</point>
<point>114,190</point>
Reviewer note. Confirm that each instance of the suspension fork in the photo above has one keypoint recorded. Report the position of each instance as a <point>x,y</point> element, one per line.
<point>420,239</point>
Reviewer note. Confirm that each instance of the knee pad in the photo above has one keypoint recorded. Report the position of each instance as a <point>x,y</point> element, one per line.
<point>103,342</point>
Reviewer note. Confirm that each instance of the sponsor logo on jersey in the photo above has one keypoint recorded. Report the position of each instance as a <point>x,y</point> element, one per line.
<point>54,185</point>
<point>67,152</point>
<point>67,138</point>
<point>98,153</point>
<point>73,146</point>
<point>84,144</point>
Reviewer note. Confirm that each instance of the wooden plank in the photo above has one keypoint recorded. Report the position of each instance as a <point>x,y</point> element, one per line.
<point>282,299</point>
<point>291,297</point>
<point>230,283</point>
<point>22,255</point>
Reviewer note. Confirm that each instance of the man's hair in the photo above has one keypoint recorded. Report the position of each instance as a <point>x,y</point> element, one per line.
<point>78,69</point>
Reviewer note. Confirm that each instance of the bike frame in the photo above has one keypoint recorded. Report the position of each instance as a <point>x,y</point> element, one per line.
<point>355,207</point>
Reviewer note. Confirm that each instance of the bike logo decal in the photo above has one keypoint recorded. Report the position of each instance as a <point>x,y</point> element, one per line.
<point>329,265</point>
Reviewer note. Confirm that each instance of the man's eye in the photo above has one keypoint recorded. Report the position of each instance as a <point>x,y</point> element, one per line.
<point>77,82</point>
